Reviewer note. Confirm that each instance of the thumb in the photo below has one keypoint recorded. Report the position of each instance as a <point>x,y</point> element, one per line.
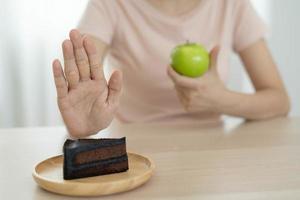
<point>214,58</point>
<point>114,87</point>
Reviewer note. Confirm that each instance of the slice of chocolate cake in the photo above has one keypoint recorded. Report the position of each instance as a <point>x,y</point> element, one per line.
<point>93,157</point>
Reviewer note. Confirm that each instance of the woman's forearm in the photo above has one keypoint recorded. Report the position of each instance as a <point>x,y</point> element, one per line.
<point>263,104</point>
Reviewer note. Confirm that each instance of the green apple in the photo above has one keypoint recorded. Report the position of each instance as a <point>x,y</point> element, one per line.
<point>190,59</point>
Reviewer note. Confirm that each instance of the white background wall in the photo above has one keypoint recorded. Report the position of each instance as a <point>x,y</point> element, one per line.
<point>285,45</point>
<point>31,32</point>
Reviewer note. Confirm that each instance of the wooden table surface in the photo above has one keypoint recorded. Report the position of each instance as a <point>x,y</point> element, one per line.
<point>253,160</point>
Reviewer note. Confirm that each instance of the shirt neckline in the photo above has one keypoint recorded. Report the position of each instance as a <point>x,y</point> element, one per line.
<point>161,15</point>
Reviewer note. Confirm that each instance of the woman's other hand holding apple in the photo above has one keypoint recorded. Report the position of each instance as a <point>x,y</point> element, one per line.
<point>203,93</point>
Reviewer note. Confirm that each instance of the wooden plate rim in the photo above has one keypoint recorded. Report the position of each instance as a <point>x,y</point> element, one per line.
<point>38,177</point>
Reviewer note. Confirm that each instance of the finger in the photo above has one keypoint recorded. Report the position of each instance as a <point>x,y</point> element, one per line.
<point>71,71</point>
<point>59,79</point>
<point>182,97</point>
<point>114,86</point>
<point>183,92</point>
<point>94,59</point>
<point>180,80</point>
<point>214,58</point>
<point>80,55</point>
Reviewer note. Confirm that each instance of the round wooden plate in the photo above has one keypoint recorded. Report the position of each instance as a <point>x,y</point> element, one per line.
<point>49,175</point>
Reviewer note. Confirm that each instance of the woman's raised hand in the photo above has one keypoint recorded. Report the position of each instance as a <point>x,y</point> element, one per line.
<point>86,101</point>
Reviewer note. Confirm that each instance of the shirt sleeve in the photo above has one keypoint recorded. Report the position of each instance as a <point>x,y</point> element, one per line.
<point>248,27</point>
<point>99,20</point>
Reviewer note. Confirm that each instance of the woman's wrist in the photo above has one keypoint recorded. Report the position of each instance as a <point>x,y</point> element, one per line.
<point>227,102</point>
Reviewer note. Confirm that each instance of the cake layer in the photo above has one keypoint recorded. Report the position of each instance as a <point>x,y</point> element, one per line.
<point>93,157</point>
<point>99,154</point>
<point>102,167</point>
<point>88,144</point>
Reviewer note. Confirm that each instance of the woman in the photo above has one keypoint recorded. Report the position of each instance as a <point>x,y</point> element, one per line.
<point>138,36</point>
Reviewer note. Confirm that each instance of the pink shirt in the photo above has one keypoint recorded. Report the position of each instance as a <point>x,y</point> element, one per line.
<point>141,38</point>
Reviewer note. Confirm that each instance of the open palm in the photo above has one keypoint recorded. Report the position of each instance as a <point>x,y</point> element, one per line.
<point>86,101</point>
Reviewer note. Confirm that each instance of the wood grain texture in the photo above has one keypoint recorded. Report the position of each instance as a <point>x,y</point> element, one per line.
<point>252,160</point>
